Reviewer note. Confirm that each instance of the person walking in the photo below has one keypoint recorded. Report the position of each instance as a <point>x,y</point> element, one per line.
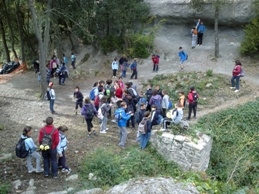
<point>73,60</point>
<point>201,29</point>
<point>183,57</point>
<point>236,73</point>
<point>30,145</point>
<point>122,122</point>
<point>78,96</point>
<point>115,66</point>
<point>133,67</point>
<point>49,153</point>
<point>193,101</point>
<point>52,98</point>
<point>105,110</point>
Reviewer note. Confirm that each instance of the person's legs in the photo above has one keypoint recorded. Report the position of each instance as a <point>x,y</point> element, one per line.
<point>54,164</point>
<point>233,81</point>
<point>136,74</point>
<point>194,109</point>
<point>164,112</point>
<point>201,37</point>
<point>190,111</point>
<point>59,79</point>
<point>51,105</point>
<point>63,161</point>
<point>154,66</point>
<point>123,131</point>
<point>132,118</point>
<point>157,68</point>
<point>46,162</point>
<point>237,82</point>
<point>37,156</point>
<point>29,165</point>
<point>133,73</point>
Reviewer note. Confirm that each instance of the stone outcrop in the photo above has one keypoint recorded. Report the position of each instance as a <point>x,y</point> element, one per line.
<point>233,12</point>
<point>152,185</point>
<point>188,154</point>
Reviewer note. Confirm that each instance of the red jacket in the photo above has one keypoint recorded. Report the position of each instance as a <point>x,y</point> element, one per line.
<point>190,96</point>
<point>155,60</point>
<point>118,93</point>
<point>55,135</point>
<point>237,70</point>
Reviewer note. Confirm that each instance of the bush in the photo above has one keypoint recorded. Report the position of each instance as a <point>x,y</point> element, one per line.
<point>111,43</point>
<point>5,188</point>
<point>250,44</point>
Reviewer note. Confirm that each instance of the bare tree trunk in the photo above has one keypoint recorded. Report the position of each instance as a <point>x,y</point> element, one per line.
<point>43,41</point>
<point>8,59</point>
<point>18,17</point>
<point>10,28</point>
<point>216,28</point>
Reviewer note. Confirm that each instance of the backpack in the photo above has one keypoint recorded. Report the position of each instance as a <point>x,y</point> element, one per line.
<point>47,95</point>
<point>195,96</point>
<point>242,73</point>
<point>135,95</point>
<point>88,111</point>
<point>185,54</point>
<point>170,105</point>
<point>92,94</point>
<point>117,115</point>
<point>46,142</point>
<point>142,126</point>
<point>158,104</point>
<point>100,113</point>
<point>20,149</point>
<point>97,100</point>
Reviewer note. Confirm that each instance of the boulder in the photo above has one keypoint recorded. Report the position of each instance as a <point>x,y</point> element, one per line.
<point>232,13</point>
<point>151,185</point>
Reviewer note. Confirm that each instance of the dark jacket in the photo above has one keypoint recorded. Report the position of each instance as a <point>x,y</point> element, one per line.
<point>79,97</point>
<point>89,106</point>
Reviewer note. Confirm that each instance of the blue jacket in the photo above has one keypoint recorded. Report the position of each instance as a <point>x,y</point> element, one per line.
<point>182,55</point>
<point>201,28</point>
<point>133,66</point>
<point>62,145</point>
<point>29,144</point>
<point>124,117</point>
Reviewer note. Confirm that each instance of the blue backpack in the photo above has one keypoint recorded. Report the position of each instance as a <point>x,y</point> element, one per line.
<point>92,95</point>
<point>117,115</point>
<point>170,105</point>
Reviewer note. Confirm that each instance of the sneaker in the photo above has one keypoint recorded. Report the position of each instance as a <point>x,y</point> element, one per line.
<point>31,171</point>
<point>103,132</point>
<point>90,136</point>
<point>232,88</point>
<point>60,167</point>
<point>67,170</point>
<point>46,175</point>
<point>39,171</point>
<point>198,45</point>
<point>55,177</point>
<point>113,120</point>
<point>236,91</point>
<point>107,129</point>
<point>162,129</point>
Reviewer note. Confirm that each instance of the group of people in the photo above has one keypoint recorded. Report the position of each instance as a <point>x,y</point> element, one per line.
<point>53,154</point>
<point>197,34</point>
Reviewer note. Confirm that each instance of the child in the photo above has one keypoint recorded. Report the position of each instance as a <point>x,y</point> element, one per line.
<point>142,99</point>
<point>144,138</point>
<point>156,117</point>
<point>89,112</point>
<point>139,117</point>
<point>105,110</point>
<point>30,145</point>
<point>78,96</point>
<point>165,103</point>
<point>62,146</point>
<point>175,116</point>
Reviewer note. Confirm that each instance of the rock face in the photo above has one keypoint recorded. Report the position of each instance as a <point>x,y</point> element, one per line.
<point>189,155</point>
<point>152,186</point>
<point>233,12</point>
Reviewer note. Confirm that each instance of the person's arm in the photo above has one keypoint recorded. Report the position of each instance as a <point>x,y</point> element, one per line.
<point>52,94</point>
<point>59,150</point>
<point>55,138</point>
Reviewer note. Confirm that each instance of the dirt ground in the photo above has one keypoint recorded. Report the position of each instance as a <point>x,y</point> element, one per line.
<point>20,105</point>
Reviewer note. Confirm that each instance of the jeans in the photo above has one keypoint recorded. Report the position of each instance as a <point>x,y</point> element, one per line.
<point>194,40</point>
<point>62,161</point>
<point>104,124</point>
<point>200,36</point>
<point>237,78</point>
<point>134,73</point>
<point>123,73</point>
<point>192,107</point>
<point>114,71</point>
<point>50,159</point>
<point>37,156</point>
<point>73,64</point>
<point>144,140</point>
<point>123,136</point>
<point>155,67</point>
<point>132,119</point>
<point>51,105</point>
<point>62,79</point>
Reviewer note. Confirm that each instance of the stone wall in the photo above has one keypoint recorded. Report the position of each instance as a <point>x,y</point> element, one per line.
<point>188,154</point>
<point>233,12</point>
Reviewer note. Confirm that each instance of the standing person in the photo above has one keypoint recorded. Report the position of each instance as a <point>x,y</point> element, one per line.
<point>122,60</point>
<point>133,67</point>
<point>89,111</point>
<point>201,29</point>
<point>115,67</point>
<point>183,56</point>
<point>61,71</point>
<point>105,110</point>
<point>53,65</point>
<point>139,116</point>
<point>94,92</point>
<point>148,94</point>
<point>131,107</point>
<point>78,96</point>
<point>236,72</point>
<point>155,60</point>
<point>121,84</point>
<point>182,100</point>
<point>73,60</point>
<point>165,102</point>
<point>144,138</point>
<point>194,37</point>
<point>61,147</point>
<point>52,98</point>
<point>30,145</point>
<point>124,68</point>
<point>49,155</point>
<point>65,59</point>
<point>122,122</point>
<point>156,100</point>
<point>193,101</point>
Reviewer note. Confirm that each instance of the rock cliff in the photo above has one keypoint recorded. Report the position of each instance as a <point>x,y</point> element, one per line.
<point>233,12</point>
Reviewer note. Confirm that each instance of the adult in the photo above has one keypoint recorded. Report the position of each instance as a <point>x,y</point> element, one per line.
<point>173,116</point>
<point>122,122</point>
<point>201,29</point>
<point>52,98</point>
<point>115,67</point>
<point>236,73</point>
<point>31,147</point>
<point>73,60</point>
<point>192,100</point>
<point>155,60</point>
<point>183,56</point>
<point>78,96</point>
<point>50,155</point>
<point>133,67</point>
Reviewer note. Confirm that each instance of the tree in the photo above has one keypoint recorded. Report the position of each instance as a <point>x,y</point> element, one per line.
<point>43,38</point>
<point>2,29</point>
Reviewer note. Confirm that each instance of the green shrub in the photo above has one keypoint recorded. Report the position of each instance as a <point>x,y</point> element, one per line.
<point>250,44</point>
<point>111,43</point>
<point>5,188</point>
<point>209,73</point>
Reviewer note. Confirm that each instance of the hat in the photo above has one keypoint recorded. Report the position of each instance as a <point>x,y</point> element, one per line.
<point>50,84</point>
<point>169,114</point>
<point>192,88</point>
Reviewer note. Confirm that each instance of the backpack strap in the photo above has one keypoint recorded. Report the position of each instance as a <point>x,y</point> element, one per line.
<point>53,130</point>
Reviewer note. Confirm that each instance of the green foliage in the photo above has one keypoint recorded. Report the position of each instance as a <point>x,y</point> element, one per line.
<point>111,43</point>
<point>209,73</point>
<point>250,44</point>
<point>5,188</point>
<point>234,155</point>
